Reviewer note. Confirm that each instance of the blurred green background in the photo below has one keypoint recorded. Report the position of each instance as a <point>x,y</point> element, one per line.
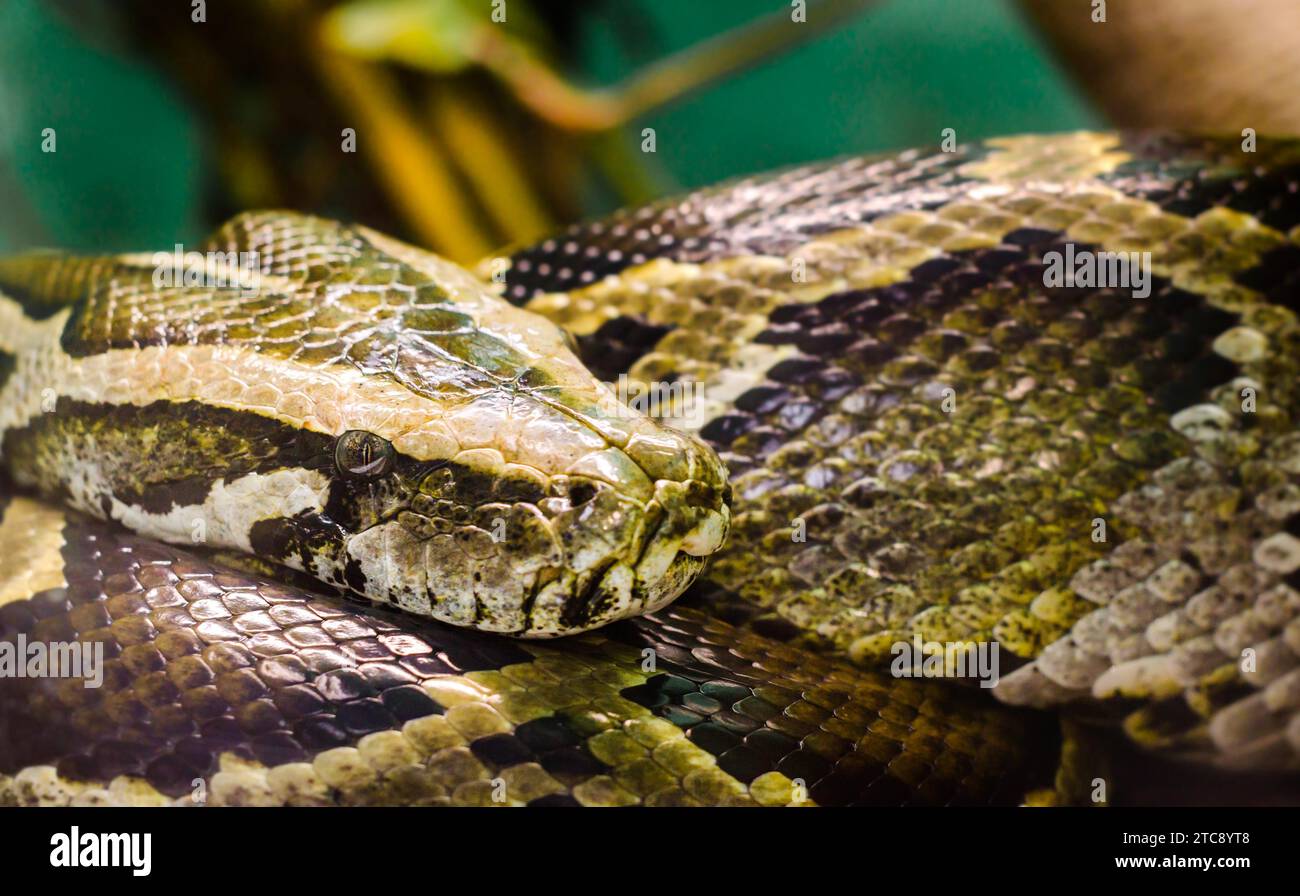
<point>131,163</point>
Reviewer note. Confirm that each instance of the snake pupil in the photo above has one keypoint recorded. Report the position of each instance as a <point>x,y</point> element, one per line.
<point>362,454</point>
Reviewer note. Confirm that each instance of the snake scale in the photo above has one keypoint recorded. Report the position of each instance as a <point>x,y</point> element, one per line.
<point>308,516</point>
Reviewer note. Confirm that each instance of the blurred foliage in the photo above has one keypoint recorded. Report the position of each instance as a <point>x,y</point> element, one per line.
<point>440,36</point>
<point>890,78</point>
<point>127,170</point>
<point>470,132</point>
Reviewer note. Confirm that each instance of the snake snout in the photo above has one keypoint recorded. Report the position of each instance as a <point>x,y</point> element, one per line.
<point>690,488</point>
<point>637,524</point>
<point>695,513</point>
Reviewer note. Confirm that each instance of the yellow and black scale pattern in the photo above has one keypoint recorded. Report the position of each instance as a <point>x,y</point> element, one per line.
<point>825,311</point>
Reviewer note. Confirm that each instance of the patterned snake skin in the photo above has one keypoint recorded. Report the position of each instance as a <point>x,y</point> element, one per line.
<point>827,314</point>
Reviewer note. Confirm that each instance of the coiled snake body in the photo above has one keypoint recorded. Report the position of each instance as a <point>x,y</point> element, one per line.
<point>902,431</point>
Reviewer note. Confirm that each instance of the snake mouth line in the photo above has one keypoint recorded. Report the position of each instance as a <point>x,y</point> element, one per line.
<point>572,573</point>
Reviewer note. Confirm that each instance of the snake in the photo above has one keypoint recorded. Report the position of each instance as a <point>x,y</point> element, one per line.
<point>350,524</point>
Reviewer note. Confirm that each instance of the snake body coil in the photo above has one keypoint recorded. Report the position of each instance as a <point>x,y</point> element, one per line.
<point>909,430</point>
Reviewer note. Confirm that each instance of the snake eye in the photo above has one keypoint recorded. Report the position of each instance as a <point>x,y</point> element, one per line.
<point>362,454</point>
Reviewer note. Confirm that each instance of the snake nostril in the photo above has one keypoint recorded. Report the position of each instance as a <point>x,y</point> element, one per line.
<point>701,495</point>
<point>580,493</point>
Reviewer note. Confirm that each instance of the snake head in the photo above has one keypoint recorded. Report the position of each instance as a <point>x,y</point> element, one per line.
<point>484,477</point>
